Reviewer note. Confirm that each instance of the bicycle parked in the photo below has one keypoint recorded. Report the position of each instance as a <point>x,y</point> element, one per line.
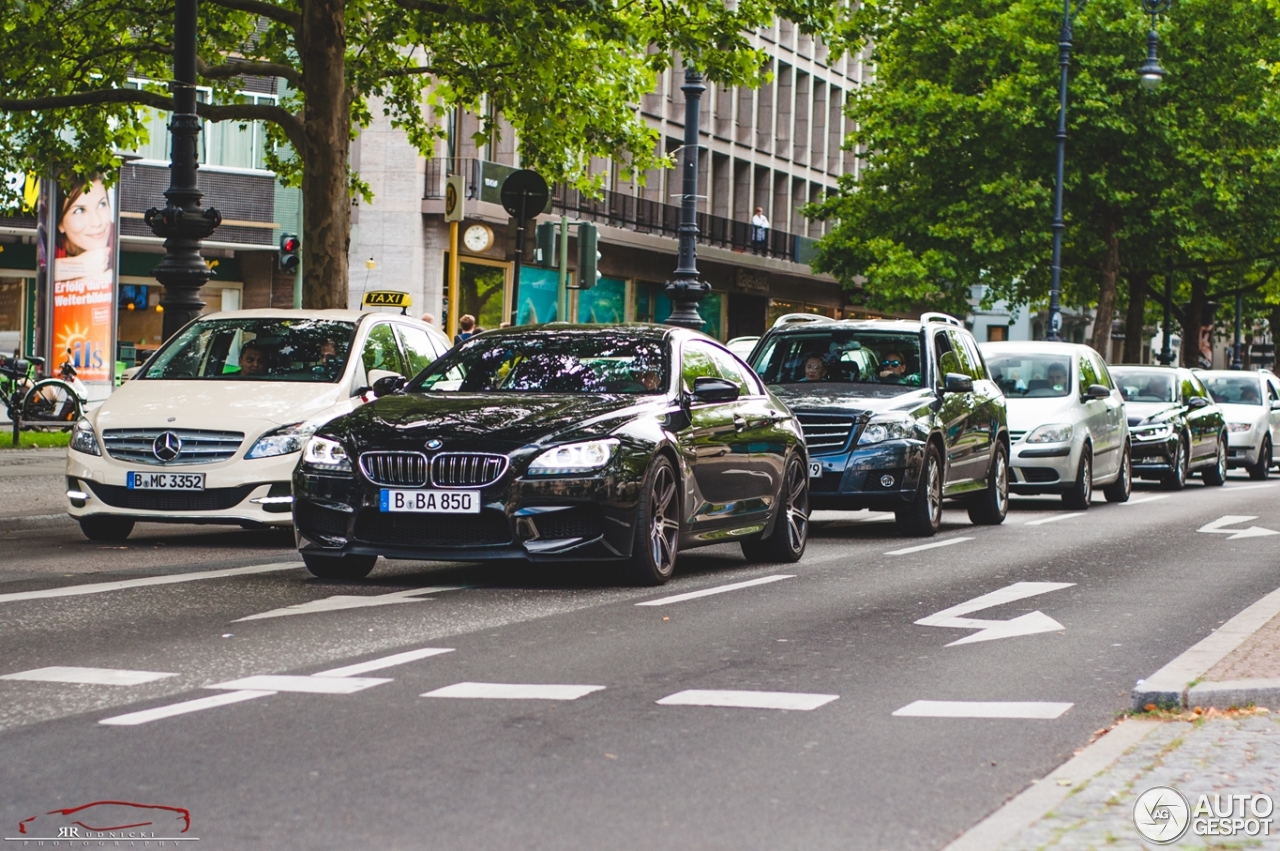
<point>40,402</point>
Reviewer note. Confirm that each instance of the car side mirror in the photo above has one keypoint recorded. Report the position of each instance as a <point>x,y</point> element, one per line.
<point>1097,391</point>
<point>707,389</point>
<point>1197,402</point>
<point>389,385</point>
<point>954,382</point>
<point>1275,404</point>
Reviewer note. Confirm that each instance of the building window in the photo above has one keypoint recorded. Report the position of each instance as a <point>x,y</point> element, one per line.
<point>228,144</point>
<point>997,333</point>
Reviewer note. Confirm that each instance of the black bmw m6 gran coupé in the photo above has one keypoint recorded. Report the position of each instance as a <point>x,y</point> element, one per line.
<point>622,444</point>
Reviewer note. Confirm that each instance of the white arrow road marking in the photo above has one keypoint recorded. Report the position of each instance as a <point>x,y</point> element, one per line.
<point>981,709</point>
<point>134,718</point>
<point>349,601</point>
<point>1215,528</point>
<point>1028,624</point>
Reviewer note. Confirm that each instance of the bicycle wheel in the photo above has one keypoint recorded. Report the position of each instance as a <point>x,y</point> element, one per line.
<point>51,401</point>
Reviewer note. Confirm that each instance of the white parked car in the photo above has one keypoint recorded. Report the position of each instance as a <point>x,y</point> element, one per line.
<point>1250,401</point>
<point>209,429</point>
<point>1067,426</point>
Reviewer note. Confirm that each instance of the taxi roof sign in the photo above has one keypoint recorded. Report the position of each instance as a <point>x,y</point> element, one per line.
<point>386,298</point>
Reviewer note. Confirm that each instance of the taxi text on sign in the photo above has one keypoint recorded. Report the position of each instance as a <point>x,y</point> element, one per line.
<point>386,298</point>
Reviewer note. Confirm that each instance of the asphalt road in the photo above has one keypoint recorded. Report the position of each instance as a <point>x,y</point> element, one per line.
<point>385,766</point>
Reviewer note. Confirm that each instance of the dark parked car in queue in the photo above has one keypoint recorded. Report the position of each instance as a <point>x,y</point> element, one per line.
<point>561,443</point>
<point>897,415</point>
<point>1174,425</point>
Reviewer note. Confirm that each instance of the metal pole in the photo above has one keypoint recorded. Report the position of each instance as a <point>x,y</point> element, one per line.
<point>1059,225</point>
<point>563,287</point>
<point>297,273</point>
<point>685,290</point>
<point>451,321</point>
<point>183,222</point>
<point>515,272</point>
<point>1166,348</point>
<point>1237,357</point>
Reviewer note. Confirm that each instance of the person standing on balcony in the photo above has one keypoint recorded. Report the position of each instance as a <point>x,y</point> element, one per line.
<point>759,232</point>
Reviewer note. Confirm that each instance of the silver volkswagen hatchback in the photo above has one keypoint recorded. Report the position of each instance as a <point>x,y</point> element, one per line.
<point>1067,427</point>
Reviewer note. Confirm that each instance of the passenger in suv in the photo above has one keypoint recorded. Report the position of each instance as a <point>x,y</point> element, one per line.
<point>903,416</point>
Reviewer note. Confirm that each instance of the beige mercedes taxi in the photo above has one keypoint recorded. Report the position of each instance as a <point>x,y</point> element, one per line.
<point>209,429</point>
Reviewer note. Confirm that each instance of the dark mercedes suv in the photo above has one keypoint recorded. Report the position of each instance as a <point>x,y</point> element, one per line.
<point>897,416</point>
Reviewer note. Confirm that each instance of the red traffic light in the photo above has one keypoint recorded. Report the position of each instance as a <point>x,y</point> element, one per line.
<point>290,243</point>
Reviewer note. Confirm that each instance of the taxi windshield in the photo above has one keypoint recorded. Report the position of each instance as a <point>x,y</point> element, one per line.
<point>1027,375</point>
<point>841,355</point>
<point>256,349</point>
<point>1145,385</point>
<point>564,363</point>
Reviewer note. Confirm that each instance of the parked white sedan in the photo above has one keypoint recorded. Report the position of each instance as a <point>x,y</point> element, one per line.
<point>1250,401</point>
<point>209,429</point>
<point>1067,427</point>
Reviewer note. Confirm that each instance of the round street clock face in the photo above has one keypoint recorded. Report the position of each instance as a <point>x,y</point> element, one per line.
<point>477,238</point>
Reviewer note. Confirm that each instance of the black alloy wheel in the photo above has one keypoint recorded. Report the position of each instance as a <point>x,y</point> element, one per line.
<point>1262,469</point>
<point>923,516</point>
<point>990,508</point>
<point>1217,474</point>
<point>1176,478</point>
<point>790,534</point>
<point>104,527</point>
<point>1119,490</point>
<point>338,567</point>
<point>657,528</point>
<point>1081,493</point>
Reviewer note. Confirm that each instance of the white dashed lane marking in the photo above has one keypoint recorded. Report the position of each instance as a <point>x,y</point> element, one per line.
<point>90,676</point>
<point>922,547</point>
<point>101,587</point>
<point>982,709</point>
<point>748,699</point>
<point>385,662</point>
<point>305,685</point>
<point>720,589</point>
<point>1146,499</point>
<point>513,691</point>
<point>135,718</point>
<point>1052,519</point>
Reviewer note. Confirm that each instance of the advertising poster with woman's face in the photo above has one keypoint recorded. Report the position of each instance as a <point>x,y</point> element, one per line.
<point>84,278</point>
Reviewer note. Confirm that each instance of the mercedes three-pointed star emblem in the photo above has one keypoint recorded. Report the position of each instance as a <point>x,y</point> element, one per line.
<point>167,446</point>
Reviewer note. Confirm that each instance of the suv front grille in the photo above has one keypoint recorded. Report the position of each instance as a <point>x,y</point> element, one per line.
<point>466,469</point>
<point>196,446</point>
<point>395,469</point>
<point>826,433</point>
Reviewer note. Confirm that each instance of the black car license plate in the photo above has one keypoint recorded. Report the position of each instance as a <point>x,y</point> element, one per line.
<point>166,481</point>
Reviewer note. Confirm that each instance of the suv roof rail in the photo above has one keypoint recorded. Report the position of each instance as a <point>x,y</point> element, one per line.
<point>936,316</point>
<point>797,318</point>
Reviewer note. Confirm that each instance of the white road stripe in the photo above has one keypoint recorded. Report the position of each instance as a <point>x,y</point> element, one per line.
<point>948,542</point>
<point>1052,519</point>
<point>350,601</point>
<point>719,589</point>
<point>748,699</point>
<point>384,662</point>
<point>100,587</point>
<point>513,691</point>
<point>183,708</point>
<point>308,685</point>
<point>91,676</point>
<point>1251,487</point>
<point>982,709</point>
<point>1146,499</point>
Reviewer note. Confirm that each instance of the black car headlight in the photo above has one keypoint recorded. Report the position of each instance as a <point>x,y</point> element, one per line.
<point>84,440</point>
<point>574,458</point>
<point>878,431</point>
<point>281,441</point>
<point>327,455</point>
<point>1142,434</point>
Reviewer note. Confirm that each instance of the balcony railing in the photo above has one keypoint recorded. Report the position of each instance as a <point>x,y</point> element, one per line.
<point>620,210</point>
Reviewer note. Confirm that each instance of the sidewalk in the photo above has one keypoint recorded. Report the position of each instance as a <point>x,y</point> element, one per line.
<point>1205,727</point>
<point>33,490</point>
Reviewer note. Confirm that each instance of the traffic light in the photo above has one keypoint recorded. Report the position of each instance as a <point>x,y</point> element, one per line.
<point>588,255</point>
<point>548,233</point>
<point>290,245</point>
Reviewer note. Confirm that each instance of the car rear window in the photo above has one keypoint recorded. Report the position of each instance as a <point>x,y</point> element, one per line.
<point>1030,374</point>
<point>256,349</point>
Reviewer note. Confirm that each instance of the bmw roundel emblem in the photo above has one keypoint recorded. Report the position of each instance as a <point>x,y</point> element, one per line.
<point>434,443</point>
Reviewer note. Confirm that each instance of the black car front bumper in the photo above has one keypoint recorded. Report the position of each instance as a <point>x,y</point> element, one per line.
<point>882,477</point>
<point>1153,458</point>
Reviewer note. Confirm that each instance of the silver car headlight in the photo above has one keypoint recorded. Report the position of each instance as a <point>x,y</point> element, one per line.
<point>573,458</point>
<point>281,441</point>
<point>1054,433</point>
<point>1161,431</point>
<point>84,440</point>
<point>1239,427</point>
<point>325,454</point>
<point>878,431</point>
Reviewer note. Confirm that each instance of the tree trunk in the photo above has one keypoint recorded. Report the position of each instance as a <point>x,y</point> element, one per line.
<point>1135,319</point>
<point>1107,295</point>
<point>326,203</point>
<point>1192,319</point>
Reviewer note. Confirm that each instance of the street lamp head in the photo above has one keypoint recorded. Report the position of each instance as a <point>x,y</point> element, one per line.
<point>1151,75</point>
<point>1155,7</point>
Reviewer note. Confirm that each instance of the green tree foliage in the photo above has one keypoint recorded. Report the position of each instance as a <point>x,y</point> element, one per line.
<point>567,74</point>
<point>957,138</point>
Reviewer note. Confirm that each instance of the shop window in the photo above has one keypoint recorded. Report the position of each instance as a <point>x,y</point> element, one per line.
<point>652,305</point>
<point>12,299</point>
<point>606,302</point>
<point>539,296</point>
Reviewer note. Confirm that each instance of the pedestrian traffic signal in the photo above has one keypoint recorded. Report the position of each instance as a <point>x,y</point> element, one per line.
<point>290,245</point>
<point>588,255</point>
<point>548,233</point>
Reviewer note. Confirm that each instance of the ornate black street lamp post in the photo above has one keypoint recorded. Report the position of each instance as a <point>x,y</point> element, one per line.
<point>1150,75</point>
<point>183,222</point>
<point>685,290</point>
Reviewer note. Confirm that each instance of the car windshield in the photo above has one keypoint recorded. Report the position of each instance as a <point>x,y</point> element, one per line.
<point>1233,389</point>
<point>256,349</point>
<point>1030,374</point>
<point>563,362</point>
<point>1145,385</point>
<point>841,355</point>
